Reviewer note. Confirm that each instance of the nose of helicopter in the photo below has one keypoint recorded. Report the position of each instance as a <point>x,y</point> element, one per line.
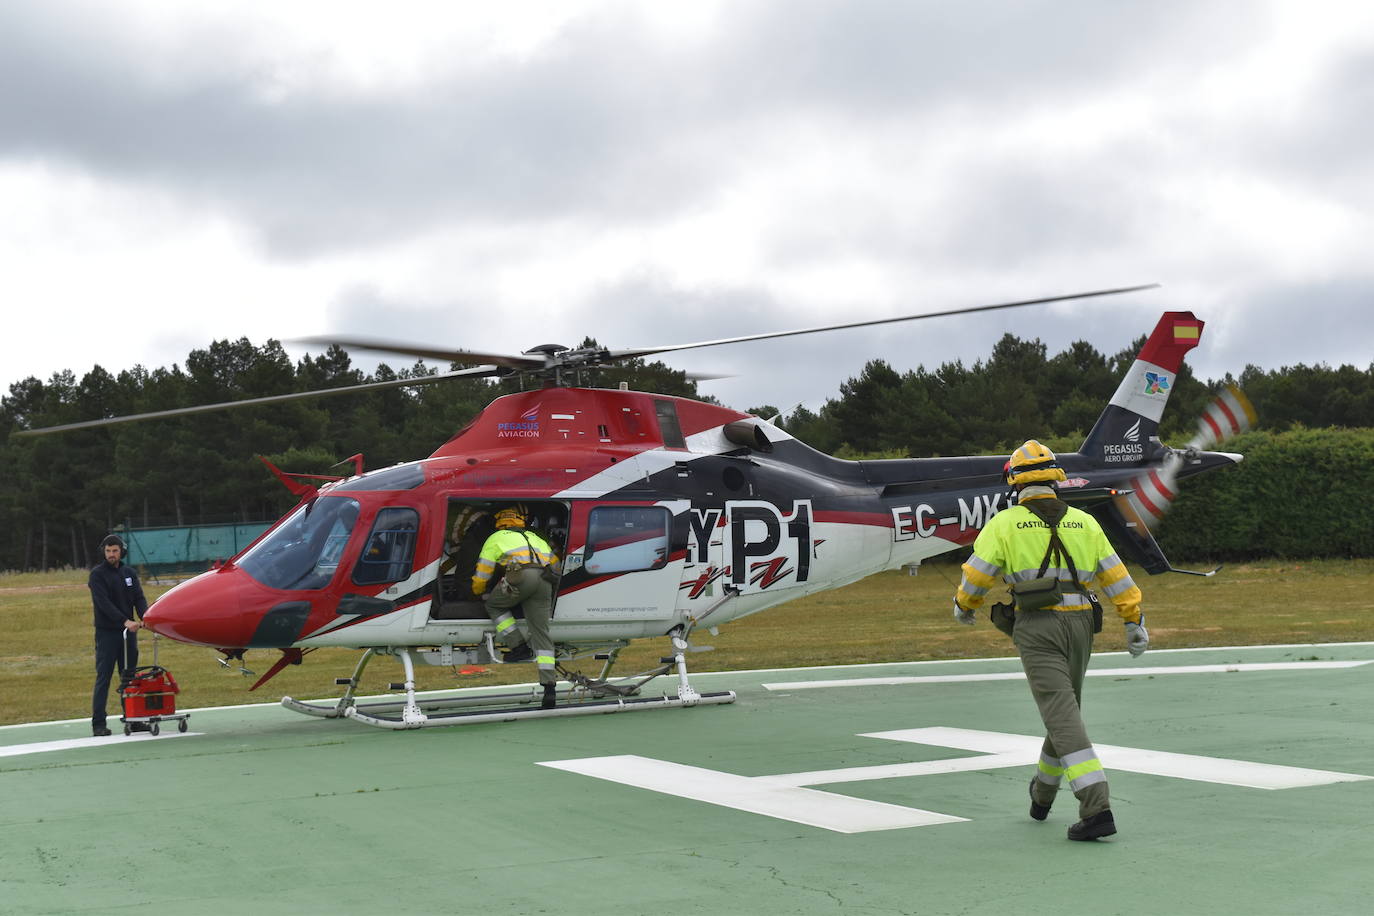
<point>207,610</point>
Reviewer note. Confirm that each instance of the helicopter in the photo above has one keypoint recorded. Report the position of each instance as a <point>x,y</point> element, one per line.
<point>669,516</point>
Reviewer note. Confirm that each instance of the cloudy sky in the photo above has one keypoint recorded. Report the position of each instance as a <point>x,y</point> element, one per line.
<point>495,176</point>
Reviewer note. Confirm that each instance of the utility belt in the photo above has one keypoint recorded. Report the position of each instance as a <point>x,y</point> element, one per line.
<point>1004,615</point>
<point>548,571</point>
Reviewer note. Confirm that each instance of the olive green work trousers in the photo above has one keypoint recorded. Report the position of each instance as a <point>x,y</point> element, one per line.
<point>1055,647</point>
<point>527,588</point>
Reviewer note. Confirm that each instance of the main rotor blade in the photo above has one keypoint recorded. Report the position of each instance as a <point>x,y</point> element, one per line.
<point>476,372</point>
<point>468,357</point>
<point>649,351</point>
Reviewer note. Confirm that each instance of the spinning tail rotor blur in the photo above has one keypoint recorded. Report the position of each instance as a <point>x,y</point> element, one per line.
<point>1154,490</point>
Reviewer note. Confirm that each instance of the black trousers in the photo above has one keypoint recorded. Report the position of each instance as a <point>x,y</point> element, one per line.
<point>110,652</point>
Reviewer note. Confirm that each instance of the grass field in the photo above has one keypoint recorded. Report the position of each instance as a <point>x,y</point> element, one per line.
<point>46,658</point>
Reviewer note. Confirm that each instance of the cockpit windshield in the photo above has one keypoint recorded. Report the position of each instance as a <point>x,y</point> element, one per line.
<point>304,551</point>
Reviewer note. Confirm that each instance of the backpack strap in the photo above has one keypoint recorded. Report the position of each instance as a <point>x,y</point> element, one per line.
<point>534,554</point>
<point>1056,545</point>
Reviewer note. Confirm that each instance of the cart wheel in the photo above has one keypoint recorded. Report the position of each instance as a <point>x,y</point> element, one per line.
<point>154,728</point>
<point>181,726</point>
<point>127,730</point>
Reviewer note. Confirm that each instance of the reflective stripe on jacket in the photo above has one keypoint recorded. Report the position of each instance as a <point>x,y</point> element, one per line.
<point>1013,544</point>
<point>511,548</point>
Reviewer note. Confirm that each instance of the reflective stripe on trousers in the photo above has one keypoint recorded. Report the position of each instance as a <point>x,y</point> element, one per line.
<point>1051,770</point>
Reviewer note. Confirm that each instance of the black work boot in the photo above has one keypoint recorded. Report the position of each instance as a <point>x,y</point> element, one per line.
<point>547,702</point>
<point>1091,828</point>
<point>1038,811</point>
<point>100,731</point>
<point>521,653</point>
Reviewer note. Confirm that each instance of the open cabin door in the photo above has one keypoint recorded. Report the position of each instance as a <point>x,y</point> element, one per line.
<point>469,523</point>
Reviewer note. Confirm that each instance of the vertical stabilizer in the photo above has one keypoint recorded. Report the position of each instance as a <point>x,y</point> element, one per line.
<point>1122,434</point>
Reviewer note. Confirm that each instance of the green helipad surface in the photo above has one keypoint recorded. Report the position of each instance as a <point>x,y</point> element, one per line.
<point>1241,782</point>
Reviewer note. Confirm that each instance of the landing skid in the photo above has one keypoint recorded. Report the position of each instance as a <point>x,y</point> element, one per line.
<point>584,696</point>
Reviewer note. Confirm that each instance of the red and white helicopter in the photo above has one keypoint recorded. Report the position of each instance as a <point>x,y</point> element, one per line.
<point>671,515</point>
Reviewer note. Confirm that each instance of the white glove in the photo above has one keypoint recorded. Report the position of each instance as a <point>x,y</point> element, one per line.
<point>1137,638</point>
<point>963,614</point>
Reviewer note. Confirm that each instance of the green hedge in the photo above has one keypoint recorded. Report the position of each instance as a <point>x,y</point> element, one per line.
<point>1302,493</point>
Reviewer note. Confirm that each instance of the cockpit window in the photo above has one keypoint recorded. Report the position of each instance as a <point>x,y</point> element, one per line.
<point>304,551</point>
<point>390,547</point>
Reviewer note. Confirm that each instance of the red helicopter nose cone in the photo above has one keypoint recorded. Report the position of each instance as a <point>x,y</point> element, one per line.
<point>205,610</point>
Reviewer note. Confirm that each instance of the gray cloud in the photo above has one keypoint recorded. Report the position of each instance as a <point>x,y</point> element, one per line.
<point>902,144</point>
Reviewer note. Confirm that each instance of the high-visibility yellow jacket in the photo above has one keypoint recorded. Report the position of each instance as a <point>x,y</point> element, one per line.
<point>1013,544</point>
<point>512,548</point>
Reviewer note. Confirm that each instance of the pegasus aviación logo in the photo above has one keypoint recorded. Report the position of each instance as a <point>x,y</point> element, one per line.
<point>1156,383</point>
<point>1133,433</point>
<point>527,428</point>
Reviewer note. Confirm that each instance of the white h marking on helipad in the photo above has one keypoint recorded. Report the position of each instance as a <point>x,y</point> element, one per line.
<point>783,796</point>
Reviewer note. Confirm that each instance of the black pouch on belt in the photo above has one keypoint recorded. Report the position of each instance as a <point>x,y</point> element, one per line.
<point>1034,594</point>
<point>1097,610</point>
<point>1003,617</point>
<point>1044,591</point>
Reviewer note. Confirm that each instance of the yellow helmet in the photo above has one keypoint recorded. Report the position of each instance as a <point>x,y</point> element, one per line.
<point>1032,463</point>
<point>510,517</point>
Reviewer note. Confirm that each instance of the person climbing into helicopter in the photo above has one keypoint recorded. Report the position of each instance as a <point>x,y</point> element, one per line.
<point>525,556</point>
<point>1050,552</point>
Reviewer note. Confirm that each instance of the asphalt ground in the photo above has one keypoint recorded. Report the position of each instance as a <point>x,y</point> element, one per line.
<point>1242,782</point>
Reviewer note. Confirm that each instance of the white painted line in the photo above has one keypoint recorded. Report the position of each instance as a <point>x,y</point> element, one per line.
<point>1098,672</point>
<point>70,744</point>
<point>896,770</point>
<point>1222,770</point>
<point>765,796</point>
<point>1218,769</point>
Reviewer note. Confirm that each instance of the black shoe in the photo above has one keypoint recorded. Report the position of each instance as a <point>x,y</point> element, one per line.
<point>547,702</point>
<point>100,731</point>
<point>518,654</point>
<point>1091,828</point>
<point>1038,811</point>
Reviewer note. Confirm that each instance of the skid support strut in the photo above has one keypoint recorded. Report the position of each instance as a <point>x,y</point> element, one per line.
<point>685,691</point>
<point>411,714</point>
<point>340,709</point>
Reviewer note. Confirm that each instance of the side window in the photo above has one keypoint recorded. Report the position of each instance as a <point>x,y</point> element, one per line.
<point>626,539</point>
<point>390,547</point>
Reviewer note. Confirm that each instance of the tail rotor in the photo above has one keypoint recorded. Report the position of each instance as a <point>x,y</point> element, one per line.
<point>1154,489</point>
<point>1229,414</point>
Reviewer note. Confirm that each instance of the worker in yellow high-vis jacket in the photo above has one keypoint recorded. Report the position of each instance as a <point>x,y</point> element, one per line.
<point>1054,641</point>
<point>524,555</point>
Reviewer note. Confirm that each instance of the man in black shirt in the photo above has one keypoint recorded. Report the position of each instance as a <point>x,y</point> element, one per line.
<point>118,603</point>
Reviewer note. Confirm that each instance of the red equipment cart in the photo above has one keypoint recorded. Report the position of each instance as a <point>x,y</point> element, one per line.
<point>149,695</point>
